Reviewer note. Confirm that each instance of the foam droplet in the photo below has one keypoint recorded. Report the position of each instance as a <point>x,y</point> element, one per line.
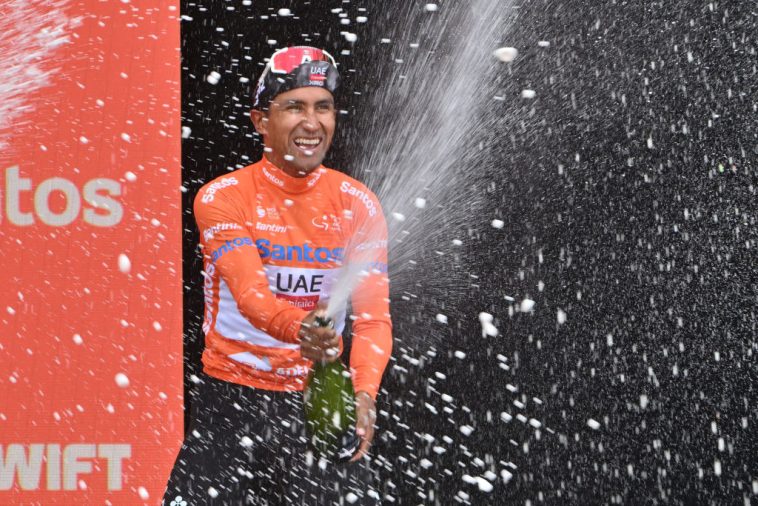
<point>505,54</point>
<point>561,316</point>
<point>213,78</point>
<point>124,264</point>
<point>527,305</point>
<point>122,380</point>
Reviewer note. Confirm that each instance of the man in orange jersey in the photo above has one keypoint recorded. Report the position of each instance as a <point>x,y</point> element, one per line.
<point>276,236</point>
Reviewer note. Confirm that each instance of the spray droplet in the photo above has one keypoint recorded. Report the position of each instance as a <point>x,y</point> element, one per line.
<point>124,264</point>
<point>212,492</point>
<point>213,78</point>
<point>142,491</point>
<point>289,158</point>
<point>431,7</point>
<point>441,318</point>
<point>483,484</point>
<point>186,132</point>
<point>543,43</point>
<point>284,12</point>
<point>643,401</point>
<point>593,424</point>
<point>527,305</point>
<point>122,380</point>
<point>528,94</point>
<point>561,316</point>
<point>506,54</point>
<point>77,339</point>
<point>497,224</point>
<point>126,137</point>
<point>420,203</point>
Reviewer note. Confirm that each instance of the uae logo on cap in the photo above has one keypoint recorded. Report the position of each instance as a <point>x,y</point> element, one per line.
<point>318,73</point>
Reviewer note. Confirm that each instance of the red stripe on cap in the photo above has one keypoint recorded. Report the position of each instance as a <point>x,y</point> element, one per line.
<point>290,58</point>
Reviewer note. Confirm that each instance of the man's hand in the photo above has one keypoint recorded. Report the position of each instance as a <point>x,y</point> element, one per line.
<point>319,344</point>
<point>365,414</point>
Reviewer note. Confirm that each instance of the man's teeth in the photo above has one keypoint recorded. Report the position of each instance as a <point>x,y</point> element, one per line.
<point>308,142</point>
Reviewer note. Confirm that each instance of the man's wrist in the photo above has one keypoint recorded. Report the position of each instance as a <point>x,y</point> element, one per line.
<point>364,393</point>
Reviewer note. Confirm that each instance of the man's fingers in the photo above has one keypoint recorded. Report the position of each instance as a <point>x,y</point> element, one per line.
<point>319,344</point>
<point>365,443</point>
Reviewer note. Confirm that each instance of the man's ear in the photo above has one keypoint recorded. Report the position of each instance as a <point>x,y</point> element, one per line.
<point>259,122</point>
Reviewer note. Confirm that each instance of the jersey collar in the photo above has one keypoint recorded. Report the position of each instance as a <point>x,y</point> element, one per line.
<point>277,177</point>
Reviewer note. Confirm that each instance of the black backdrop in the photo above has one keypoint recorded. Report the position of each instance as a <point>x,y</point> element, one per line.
<point>647,247</point>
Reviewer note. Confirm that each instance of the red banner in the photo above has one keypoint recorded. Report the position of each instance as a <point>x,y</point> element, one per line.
<point>90,219</point>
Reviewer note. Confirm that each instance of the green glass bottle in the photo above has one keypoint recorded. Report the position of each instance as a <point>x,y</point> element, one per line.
<point>329,402</point>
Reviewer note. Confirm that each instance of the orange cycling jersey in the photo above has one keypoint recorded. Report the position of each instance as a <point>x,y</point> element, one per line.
<point>273,247</point>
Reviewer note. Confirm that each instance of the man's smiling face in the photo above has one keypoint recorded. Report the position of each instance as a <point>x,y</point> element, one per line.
<point>298,128</point>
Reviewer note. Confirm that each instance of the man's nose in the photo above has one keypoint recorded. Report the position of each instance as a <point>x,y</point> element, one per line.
<point>310,122</point>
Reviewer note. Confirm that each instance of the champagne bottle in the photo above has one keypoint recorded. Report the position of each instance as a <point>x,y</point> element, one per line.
<point>329,402</point>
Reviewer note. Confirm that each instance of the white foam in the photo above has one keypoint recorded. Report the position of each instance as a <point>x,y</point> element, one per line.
<point>505,54</point>
<point>30,65</point>
<point>124,264</point>
<point>122,380</point>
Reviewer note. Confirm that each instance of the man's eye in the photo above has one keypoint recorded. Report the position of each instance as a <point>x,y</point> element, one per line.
<point>295,107</point>
<point>324,107</point>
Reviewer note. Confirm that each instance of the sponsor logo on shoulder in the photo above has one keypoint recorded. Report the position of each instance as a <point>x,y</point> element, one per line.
<point>271,227</point>
<point>211,231</point>
<point>361,195</point>
<point>210,192</point>
<point>229,246</point>
<point>371,245</point>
